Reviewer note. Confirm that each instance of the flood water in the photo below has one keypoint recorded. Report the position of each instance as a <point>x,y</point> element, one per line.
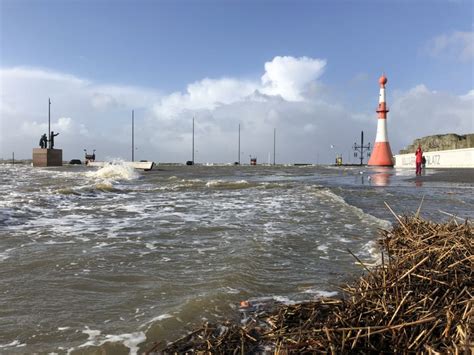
<point>91,258</point>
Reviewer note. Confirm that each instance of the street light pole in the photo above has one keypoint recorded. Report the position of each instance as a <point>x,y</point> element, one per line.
<point>239,146</point>
<point>49,122</point>
<point>133,138</point>
<point>274,145</point>
<point>360,148</point>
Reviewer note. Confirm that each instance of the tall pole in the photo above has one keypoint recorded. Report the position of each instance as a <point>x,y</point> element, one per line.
<point>360,148</point>
<point>49,122</point>
<point>238,158</point>
<point>133,142</point>
<point>193,141</point>
<point>274,144</point>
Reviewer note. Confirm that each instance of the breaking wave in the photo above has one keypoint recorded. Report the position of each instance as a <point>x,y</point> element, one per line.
<point>116,171</point>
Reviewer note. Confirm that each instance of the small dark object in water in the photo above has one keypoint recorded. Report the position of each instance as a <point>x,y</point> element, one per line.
<point>75,162</point>
<point>189,162</point>
<point>236,163</point>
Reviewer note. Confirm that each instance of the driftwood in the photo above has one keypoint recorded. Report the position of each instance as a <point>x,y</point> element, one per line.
<point>418,300</point>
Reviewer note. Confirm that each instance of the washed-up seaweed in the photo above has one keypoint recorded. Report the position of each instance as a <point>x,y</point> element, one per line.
<point>419,299</point>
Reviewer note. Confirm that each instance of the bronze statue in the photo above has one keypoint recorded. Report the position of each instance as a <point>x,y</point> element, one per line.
<point>51,142</point>
<point>43,141</point>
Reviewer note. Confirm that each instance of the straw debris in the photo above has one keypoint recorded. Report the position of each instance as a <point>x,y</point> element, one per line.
<point>419,299</point>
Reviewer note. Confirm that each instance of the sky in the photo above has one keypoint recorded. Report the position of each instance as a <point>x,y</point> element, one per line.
<point>307,70</point>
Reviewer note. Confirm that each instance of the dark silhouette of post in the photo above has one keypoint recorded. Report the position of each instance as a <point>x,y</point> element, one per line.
<point>133,143</point>
<point>359,149</point>
<point>239,147</point>
<point>49,121</point>
<point>274,145</point>
<point>193,143</point>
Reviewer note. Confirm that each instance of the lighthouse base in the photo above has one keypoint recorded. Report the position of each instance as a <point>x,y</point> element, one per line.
<point>381,155</point>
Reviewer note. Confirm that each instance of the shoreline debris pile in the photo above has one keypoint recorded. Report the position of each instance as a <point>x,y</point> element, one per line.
<point>419,299</point>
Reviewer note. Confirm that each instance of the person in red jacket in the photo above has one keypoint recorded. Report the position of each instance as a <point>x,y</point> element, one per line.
<point>419,160</point>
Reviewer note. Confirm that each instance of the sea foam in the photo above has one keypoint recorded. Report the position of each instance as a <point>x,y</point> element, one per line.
<point>114,171</point>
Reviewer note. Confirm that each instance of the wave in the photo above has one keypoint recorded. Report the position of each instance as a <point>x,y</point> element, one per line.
<point>95,339</point>
<point>116,171</point>
<point>225,184</point>
<point>358,211</point>
<point>100,186</point>
<point>185,184</point>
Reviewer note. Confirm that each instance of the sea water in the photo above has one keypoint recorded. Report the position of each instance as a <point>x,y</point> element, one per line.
<point>92,258</point>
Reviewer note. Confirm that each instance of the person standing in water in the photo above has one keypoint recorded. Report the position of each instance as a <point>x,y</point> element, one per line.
<point>418,160</point>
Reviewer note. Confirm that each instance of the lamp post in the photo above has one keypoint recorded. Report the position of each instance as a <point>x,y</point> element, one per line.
<point>359,149</point>
<point>239,147</point>
<point>274,145</point>
<point>49,122</point>
<point>133,136</point>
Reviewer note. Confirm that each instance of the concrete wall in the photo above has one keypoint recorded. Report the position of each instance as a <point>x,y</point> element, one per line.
<point>47,157</point>
<point>458,158</point>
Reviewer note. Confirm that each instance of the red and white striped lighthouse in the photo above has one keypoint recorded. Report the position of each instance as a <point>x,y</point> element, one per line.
<point>382,154</point>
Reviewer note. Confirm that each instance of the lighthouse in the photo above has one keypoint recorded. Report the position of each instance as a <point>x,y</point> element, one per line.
<point>382,154</point>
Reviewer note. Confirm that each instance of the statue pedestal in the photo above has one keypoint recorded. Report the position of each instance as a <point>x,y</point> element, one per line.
<point>47,157</point>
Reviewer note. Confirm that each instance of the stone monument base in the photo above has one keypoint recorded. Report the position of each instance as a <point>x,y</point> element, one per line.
<point>47,157</point>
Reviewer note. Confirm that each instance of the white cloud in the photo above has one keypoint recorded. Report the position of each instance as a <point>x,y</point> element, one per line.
<point>19,73</point>
<point>288,96</point>
<point>457,45</point>
<point>204,94</point>
<point>102,101</point>
<point>289,77</point>
<point>420,112</point>
<point>84,113</point>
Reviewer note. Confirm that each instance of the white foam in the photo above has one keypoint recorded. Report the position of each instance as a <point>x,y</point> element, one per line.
<point>160,317</point>
<point>323,248</point>
<point>101,245</point>
<point>114,171</point>
<point>156,319</point>
<point>359,212</point>
<point>231,290</point>
<point>5,255</point>
<point>320,293</point>
<point>130,340</point>
<point>371,250</point>
<point>203,250</point>
<point>223,183</point>
<point>14,343</point>
<point>150,246</point>
<point>284,300</point>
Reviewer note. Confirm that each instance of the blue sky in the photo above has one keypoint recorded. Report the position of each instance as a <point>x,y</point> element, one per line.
<point>142,54</point>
